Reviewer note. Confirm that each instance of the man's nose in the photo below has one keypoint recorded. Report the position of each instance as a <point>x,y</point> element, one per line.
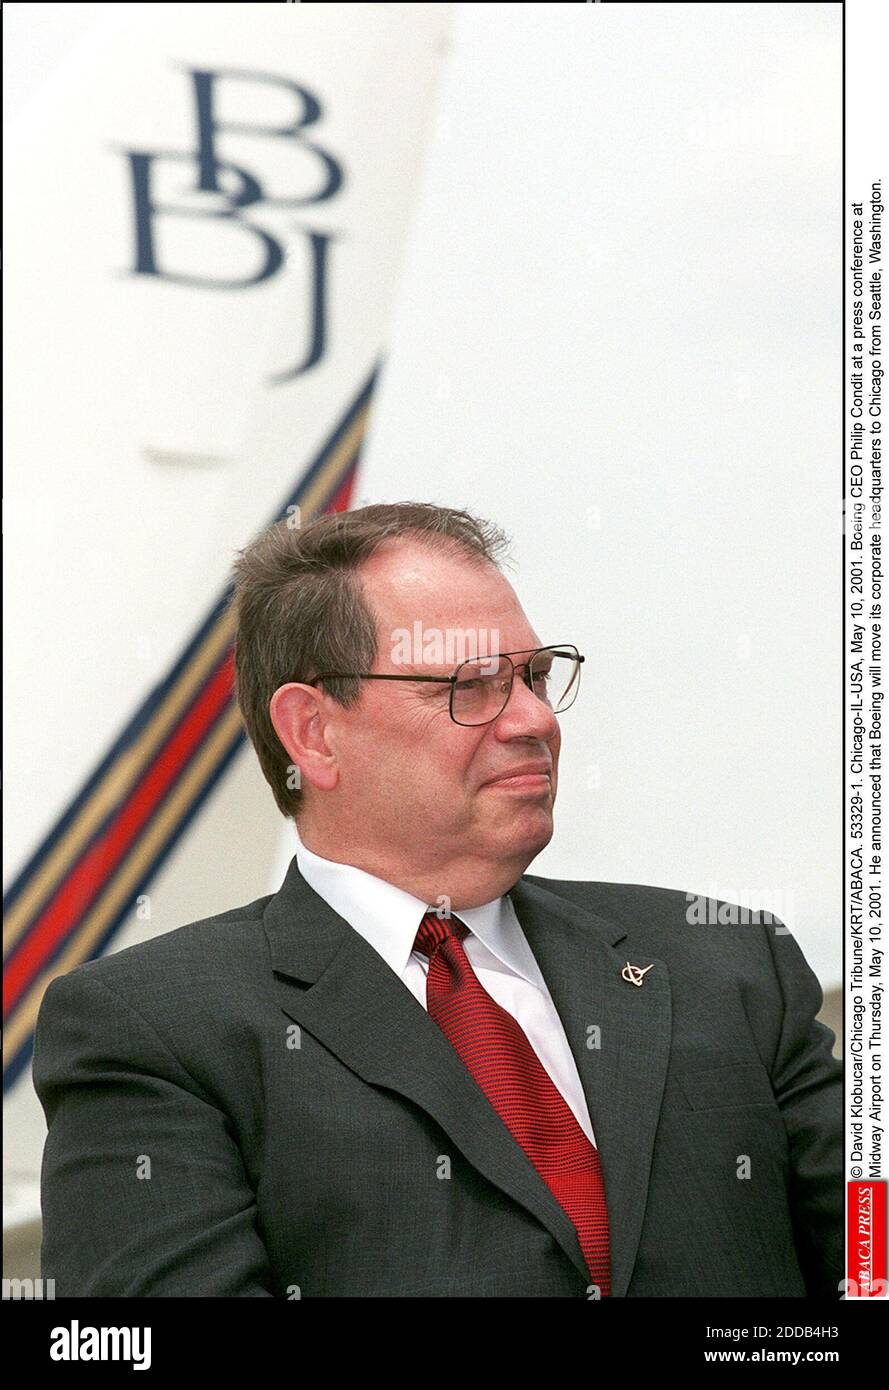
<point>525,713</point>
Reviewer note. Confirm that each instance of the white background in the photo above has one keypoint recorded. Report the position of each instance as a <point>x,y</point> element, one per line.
<point>619,336</point>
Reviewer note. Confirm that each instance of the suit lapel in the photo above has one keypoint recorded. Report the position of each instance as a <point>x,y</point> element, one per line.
<point>333,983</point>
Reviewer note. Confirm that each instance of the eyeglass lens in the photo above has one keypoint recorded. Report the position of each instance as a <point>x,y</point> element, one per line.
<point>480,693</point>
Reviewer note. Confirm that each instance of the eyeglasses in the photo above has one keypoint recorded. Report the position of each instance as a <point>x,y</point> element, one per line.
<point>479,695</point>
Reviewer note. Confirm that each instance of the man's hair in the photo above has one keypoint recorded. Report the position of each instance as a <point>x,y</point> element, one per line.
<point>300,608</point>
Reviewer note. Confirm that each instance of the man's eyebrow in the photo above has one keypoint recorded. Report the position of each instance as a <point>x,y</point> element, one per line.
<point>438,682</point>
<point>407,669</point>
<point>410,668</point>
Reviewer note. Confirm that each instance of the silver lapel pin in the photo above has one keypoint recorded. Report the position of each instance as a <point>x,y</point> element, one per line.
<point>634,974</point>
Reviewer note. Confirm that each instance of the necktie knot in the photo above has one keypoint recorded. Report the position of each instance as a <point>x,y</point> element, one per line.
<point>434,930</point>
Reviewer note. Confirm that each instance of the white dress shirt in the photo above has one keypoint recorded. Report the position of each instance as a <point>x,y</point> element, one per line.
<point>496,948</point>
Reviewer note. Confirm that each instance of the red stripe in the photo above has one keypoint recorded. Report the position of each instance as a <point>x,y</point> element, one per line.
<point>343,496</point>
<point>89,875</point>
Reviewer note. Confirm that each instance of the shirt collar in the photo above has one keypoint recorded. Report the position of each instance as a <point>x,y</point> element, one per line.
<point>388,917</point>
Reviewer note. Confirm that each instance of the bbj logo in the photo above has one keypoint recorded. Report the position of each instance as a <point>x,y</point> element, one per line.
<point>234,189</point>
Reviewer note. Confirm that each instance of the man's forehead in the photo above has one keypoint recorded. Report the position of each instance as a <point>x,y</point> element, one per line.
<point>409,582</point>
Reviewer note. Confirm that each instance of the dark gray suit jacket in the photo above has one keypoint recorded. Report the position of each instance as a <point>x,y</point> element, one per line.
<point>256,1105</point>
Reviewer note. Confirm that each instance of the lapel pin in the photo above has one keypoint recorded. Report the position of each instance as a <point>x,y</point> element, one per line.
<point>634,974</point>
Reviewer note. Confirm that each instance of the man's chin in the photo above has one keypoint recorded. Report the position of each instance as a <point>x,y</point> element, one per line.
<point>529,831</point>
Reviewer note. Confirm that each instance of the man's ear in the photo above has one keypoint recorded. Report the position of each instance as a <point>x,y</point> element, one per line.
<point>300,720</point>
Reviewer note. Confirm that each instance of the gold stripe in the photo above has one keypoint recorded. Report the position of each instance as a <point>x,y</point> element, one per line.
<point>348,445</point>
<point>119,780</point>
<point>116,783</point>
<point>125,879</point>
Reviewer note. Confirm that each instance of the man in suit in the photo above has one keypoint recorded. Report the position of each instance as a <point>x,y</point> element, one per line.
<point>416,1069</point>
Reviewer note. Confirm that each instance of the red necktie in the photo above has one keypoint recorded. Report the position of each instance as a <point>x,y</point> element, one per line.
<point>494,1049</point>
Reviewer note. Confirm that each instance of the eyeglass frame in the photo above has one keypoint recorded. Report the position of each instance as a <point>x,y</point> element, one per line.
<point>452,680</point>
